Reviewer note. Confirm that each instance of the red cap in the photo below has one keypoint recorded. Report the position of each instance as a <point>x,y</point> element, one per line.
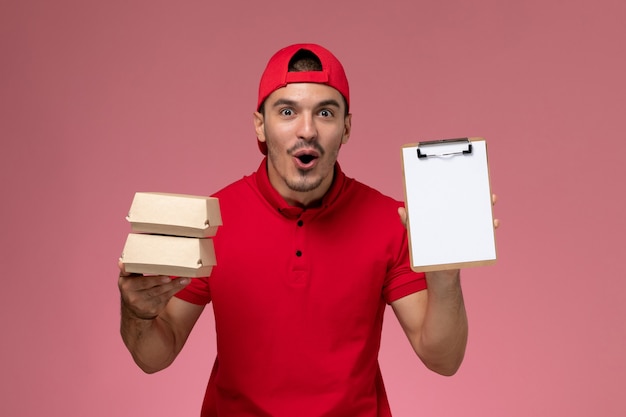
<point>277,75</point>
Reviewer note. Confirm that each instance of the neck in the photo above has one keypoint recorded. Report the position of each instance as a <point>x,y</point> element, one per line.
<point>304,201</point>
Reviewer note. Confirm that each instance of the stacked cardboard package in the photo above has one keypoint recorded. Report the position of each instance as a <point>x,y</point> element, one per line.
<point>171,235</point>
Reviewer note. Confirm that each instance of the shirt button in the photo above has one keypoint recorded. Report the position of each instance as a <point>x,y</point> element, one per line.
<point>300,223</point>
<point>298,253</point>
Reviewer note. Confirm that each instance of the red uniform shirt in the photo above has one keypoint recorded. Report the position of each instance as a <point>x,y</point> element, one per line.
<point>299,296</point>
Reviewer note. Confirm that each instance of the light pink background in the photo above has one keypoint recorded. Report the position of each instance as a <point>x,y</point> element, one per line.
<point>100,99</point>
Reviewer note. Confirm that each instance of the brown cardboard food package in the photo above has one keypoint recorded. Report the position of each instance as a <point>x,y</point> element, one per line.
<point>174,214</point>
<point>168,255</point>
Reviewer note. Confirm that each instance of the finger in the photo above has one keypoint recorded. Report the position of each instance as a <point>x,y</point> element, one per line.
<point>403,216</point>
<point>139,283</point>
<point>122,267</point>
<point>176,285</point>
<point>494,199</point>
<point>496,223</point>
<point>150,302</point>
<point>167,288</point>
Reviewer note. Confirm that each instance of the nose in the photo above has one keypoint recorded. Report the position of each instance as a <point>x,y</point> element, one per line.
<point>306,127</point>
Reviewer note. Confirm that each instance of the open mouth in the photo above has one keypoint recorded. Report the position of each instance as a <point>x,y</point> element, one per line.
<point>306,159</point>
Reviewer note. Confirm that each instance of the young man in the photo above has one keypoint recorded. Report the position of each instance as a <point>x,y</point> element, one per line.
<point>304,274</point>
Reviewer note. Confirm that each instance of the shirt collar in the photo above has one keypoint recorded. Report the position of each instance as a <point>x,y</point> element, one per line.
<point>277,201</point>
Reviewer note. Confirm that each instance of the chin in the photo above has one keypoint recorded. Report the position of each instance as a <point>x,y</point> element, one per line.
<point>303,187</point>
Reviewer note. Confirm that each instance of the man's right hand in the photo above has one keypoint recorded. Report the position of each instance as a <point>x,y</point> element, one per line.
<point>154,324</point>
<point>145,296</point>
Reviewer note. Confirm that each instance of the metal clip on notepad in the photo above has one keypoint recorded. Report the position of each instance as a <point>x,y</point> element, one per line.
<point>442,148</point>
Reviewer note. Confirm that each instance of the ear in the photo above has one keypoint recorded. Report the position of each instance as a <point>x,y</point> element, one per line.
<point>347,128</point>
<point>259,126</point>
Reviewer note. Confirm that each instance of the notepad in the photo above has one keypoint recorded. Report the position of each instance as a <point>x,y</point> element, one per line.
<point>448,202</point>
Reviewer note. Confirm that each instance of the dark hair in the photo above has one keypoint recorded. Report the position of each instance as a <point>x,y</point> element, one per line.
<point>304,61</point>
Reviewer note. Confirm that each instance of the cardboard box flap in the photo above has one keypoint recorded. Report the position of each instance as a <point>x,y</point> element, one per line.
<point>168,255</point>
<point>174,214</point>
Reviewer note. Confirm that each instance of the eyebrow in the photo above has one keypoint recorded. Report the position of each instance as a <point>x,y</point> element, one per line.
<point>283,102</point>
<point>293,103</point>
<point>329,102</point>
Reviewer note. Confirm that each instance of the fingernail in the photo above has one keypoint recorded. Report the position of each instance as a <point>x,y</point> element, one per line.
<point>165,279</point>
<point>184,281</point>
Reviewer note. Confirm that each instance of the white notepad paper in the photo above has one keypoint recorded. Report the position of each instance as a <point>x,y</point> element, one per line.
<point>448,201</point>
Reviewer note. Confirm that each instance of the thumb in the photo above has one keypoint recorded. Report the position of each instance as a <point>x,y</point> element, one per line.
<point>402,214</point>
<point>123,272</point>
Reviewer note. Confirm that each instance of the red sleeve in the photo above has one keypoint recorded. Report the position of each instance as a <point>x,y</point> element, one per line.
<point>401,279</point>
<point>196,292</point>
<point>415,285</point>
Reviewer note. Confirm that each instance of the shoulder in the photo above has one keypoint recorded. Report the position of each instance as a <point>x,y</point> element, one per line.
<point>363,205</point>
<point>235,187</point>
<point>241,199</point>
<point>368,195</point>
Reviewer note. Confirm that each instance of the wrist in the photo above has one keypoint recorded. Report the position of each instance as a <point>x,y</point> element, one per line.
<point>129,313</point>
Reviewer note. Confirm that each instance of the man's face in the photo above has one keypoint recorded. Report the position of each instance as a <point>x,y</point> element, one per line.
<point>304,126</point>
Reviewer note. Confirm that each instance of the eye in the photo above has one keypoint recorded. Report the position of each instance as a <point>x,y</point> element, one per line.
<point>326,113</point>
<point>286,112</point>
